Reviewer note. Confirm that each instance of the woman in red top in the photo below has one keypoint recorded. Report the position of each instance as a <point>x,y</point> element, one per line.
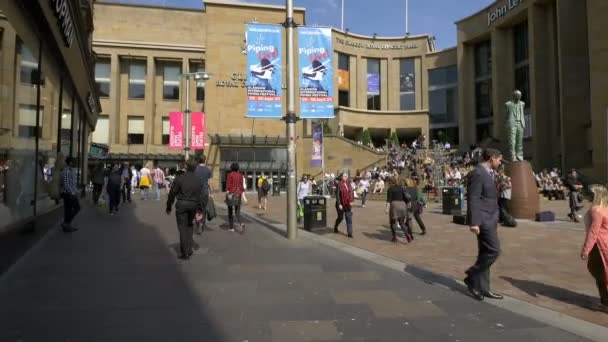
<point>595,249</point>
<point>234,191</point>
<point>345,197</point>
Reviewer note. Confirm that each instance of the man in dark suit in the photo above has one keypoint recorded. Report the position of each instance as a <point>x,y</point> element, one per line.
<point>482,216</point>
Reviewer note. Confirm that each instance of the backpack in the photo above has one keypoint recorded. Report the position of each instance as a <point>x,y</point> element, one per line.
<point>265,185</point>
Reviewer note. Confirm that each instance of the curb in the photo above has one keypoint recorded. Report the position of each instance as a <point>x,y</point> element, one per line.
<point>552,318</point>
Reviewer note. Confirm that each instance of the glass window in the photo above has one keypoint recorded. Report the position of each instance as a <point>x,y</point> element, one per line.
<point>443,76</point>
<point>483,59</point>
<point>18,127</point>
<point>166,131</point>
<point>407,83</point>
<point>200,84</point>
<point>443,135</point>
<point>483,99</point>
<point>171,80</point>
<point>66,134</point>
<point>343,62</point>
<point>343,98</point>
<point>102,77</point>
<point>28,63</point>
<point>443,95</point>
<point>484,131</point>
<point>373,84</point>
<point>137,79</point>
<point>135,130</point>
<point>520,40</point>
<point>101,135</point>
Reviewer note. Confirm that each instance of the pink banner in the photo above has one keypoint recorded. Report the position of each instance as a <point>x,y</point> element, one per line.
<point>176,130</point>
<point>198,130</point>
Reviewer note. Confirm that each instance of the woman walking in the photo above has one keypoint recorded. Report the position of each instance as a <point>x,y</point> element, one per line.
<point>304,189</point>
<point>234,191</point>
<point>345,197</point>
<point>417,206</point>
<point>398,202</point>
<point>363,188</point>
<point>595,249</point>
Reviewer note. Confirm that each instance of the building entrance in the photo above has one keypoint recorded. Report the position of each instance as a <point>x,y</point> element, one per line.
<point>255,162</point>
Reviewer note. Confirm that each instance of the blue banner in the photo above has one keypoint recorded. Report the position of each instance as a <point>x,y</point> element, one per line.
<point>317,145</point>
<point>264,79</point>
<point>316,73</point>
<point>373,83</point>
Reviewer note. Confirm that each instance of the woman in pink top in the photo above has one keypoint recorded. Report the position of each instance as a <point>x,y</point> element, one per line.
<point>595,249</point>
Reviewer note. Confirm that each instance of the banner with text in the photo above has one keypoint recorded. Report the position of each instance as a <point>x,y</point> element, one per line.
<point>316,73</point>
<point>264,76</point>
<point>317,145</point>
<point>176,130</point>
<point>197,120</point>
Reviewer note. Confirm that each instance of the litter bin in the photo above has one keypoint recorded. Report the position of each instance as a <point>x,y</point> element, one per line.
<point>452,200</point>
<point>276,187</point>
<point>315,212</point>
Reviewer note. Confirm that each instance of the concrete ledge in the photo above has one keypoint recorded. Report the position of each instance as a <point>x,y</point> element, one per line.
<point>558,320</point>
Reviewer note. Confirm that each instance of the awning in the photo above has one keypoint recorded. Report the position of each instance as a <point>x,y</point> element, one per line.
<point>142,157</point>
<point>252,140</point>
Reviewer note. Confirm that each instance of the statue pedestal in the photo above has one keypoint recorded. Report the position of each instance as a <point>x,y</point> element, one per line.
<point>525,201</point>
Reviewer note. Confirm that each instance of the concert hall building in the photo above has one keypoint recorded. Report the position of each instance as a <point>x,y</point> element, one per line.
<point>551,50</point>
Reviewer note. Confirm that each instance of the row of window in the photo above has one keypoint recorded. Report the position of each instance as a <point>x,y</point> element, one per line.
<point>135,130</point>
<point>137,72</point>
<point>407,83</point>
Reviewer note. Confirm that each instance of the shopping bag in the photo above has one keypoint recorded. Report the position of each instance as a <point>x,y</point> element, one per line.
<point>211,213</point>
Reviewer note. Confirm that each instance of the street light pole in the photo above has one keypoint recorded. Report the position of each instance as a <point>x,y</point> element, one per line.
<point>187,127</point>
<point>290,120</point>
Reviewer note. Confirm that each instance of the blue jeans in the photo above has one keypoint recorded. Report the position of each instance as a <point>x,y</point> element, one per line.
<point>157,190</point>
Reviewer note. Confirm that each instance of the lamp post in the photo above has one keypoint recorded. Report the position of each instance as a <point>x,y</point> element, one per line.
<point>290,120</point>
<point>201,75</point>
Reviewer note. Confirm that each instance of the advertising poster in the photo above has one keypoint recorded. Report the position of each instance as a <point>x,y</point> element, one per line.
<point>373,83</point>
<point>264,77</point>
<point>316,73</point>
<point>197,120</point>
<point>176,130</point>
<point>343,80</point>
<point>317,145</point>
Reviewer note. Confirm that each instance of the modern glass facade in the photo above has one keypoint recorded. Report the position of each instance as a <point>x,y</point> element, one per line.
<point>443,104</point>
<point>407,84</point>
<point>521,69</point>
<point>42,119</point>
<point>484,111</point>
<point>373,84</point>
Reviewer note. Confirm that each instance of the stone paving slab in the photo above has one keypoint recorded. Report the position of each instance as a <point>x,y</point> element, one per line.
<point>540,263</point>
<point>78,287</point>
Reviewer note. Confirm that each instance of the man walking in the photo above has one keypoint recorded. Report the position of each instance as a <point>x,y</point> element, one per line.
<point>158,177</point>
<point>574,198</point>
<point>263,190</point>
<point>126,179</point>
<point>204,174</point>
<point>187,190</point>
<point>69,193</point>
<point>482,215</point>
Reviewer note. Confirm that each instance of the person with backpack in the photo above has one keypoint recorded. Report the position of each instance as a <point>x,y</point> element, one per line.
<point>114,187</point>
<point>263,190</point>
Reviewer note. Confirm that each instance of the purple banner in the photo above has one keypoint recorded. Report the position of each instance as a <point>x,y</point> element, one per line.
<point>373,83</point>
<point>317,145</point>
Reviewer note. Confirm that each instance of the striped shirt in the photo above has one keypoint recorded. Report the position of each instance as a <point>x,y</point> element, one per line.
<point>69,181</point>
<point>158,175</point>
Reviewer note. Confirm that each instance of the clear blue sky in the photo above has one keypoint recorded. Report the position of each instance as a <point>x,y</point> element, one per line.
<point>384,17</point>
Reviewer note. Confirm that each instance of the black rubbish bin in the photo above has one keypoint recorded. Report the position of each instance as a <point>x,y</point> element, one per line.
<point>452,200</point>
<point>315,212</point>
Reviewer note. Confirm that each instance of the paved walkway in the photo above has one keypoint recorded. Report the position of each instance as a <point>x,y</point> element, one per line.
<point>117,279</point>
<point>540,263</point>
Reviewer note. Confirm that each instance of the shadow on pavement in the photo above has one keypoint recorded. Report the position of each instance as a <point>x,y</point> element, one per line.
<point>535,289</point>
<point>434,278</point>
<point>115,279</point>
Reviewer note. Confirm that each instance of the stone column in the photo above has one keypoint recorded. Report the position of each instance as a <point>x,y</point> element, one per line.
<point>114,100</point>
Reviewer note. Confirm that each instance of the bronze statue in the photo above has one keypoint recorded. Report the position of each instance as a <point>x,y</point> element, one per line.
<point>515,125</point>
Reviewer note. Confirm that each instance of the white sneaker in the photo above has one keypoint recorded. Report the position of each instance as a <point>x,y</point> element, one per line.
<point>231,229</point>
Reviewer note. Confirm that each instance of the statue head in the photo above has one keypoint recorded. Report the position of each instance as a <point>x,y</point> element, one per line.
<point>516,96</point>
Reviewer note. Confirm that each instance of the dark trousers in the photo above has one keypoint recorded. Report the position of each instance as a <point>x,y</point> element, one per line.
<point>488,251</point>
<point>363,197</point>
<point>184,215</point>
<point>114,197</point>
<point>126,191</point>
<point>203,209</point>
<point>71,207</point>
<point>97,192</point>
<point>234,209</point>
<point>595,265</point>
<point>347,213</point>
<point>418,219</point>
<point>404,223</point>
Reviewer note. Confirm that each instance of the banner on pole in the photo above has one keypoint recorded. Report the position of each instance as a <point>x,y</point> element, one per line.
<point>176,130</point>
<point>264,77</point>
<point>316,73</point>
<point>317,145</point>
<point>197,120</point>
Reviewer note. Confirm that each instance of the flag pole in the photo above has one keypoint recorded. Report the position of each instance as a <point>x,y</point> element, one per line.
<point>407,17</point>
<point>342,17</point>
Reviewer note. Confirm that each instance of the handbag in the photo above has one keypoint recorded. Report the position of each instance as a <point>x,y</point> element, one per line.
<point>232,200</point>
<point>211,213</point>
<point>144,182</point>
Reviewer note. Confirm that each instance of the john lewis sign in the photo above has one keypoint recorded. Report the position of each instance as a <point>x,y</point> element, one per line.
<point>501,11</point>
